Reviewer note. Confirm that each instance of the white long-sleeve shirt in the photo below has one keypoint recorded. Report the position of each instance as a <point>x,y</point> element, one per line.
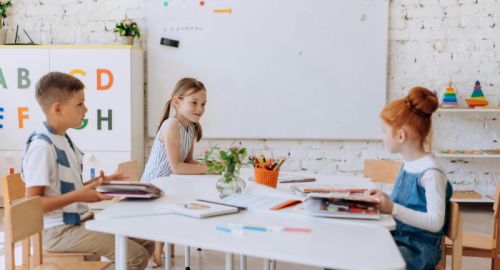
<point>434,183</point>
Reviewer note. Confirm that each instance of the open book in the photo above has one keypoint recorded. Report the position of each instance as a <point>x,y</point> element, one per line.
<point>322,187</point>
<point>129,190</point>
<point>343,205</point>
<point>260,197</point>
<point>197,209</point>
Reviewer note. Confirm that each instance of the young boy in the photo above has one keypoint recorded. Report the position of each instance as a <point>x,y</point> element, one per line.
<point>52,169</point>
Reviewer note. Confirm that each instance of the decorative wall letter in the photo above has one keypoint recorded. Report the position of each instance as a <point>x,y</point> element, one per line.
<point>2,80</point>
<point>84,124</point>
<point>78,71</point>
<point>1,117</point>
<point>109,119</point>
<point>99,79</point>
<point>21,116</point>
<point>22,75</point>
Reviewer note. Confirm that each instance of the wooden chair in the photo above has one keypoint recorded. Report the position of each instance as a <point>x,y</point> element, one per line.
<point>454,233</point>
<point>484,246</point>
<point>131,169</point>
<point>25,220</point>
<point>14,188</point>
<point>382,171</point>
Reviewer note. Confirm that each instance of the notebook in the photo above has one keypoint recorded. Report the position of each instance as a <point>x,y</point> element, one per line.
<point>261,197</point>
<point>197,209</point>
<point>343,206</point>
<point>129,190</point>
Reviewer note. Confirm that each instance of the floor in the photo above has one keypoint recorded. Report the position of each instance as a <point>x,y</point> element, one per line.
<point>478,219</point>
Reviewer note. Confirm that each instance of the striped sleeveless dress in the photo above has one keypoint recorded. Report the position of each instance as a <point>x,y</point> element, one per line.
<point>158,165</point>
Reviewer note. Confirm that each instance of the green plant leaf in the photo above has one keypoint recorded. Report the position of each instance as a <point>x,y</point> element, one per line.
<point>209,171</point>
<point>210,165</point>
<point>223,154</point>
<point>217,168</point>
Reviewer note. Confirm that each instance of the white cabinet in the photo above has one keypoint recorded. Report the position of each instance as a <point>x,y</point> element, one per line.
<point>113,130</point>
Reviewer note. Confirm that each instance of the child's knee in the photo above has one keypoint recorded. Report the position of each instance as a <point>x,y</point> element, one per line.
<point>138,259</point>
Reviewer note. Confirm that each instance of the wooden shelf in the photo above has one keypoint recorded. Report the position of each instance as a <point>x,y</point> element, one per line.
<point>467,110</point>
<point>465,155</point>
<point>484,199</point>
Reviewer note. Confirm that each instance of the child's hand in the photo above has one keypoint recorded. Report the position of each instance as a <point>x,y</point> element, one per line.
<point>88,193</point>
<point>375,191</point>
<point>115,177</point>
<point>385,205</point>
<point>118,176</point>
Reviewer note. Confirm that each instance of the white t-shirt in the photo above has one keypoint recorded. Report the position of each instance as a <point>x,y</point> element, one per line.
<point>40,169</point>
<point>434,183</point>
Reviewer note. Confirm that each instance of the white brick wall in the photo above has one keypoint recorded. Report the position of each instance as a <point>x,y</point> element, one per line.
<point>430,43</point>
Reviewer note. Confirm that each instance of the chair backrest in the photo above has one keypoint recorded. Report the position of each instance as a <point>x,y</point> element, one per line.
<point>130,168</point>
<point>23,220</point>
<point>454,231</point>
<point>13,188</point>
<point>452,226</point>
<point>496,209</point>
<point>382,171</point>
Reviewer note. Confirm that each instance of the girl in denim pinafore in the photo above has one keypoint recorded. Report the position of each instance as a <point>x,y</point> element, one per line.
<point>421,193</point>
<point>420,248</point>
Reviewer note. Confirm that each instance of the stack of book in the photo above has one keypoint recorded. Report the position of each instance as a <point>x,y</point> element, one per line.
<point>129,190</point>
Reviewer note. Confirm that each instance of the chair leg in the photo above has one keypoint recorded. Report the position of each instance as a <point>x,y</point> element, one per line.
<point>495,263</point>
<point>158,252</point>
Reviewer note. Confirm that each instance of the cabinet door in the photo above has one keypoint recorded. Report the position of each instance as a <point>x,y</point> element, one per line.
<point>106,75</point>
<point>10,162</point>
<point>20,114</point>
<point>94,162</point>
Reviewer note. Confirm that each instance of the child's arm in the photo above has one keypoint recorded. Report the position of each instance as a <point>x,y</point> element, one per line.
<point>171,137</point>
<point>434,184</point>
<point>86,194</point>
<point>189,158</point>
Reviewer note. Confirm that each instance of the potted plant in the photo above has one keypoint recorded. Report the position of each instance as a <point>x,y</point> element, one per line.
<point>4,4</point>
<point>128,30</point>
<point>228,164</point>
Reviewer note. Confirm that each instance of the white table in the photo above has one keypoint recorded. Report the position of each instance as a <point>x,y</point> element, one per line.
<point>181,188</point>
<point>350,238</point>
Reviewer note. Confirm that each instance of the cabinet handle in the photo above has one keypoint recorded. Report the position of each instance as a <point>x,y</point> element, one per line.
<point>89,156</point>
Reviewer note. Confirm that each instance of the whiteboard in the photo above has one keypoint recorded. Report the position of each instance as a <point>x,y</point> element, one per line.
<point>274,69</point>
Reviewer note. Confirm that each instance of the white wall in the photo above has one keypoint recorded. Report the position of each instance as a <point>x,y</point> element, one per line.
<point>431,42</point>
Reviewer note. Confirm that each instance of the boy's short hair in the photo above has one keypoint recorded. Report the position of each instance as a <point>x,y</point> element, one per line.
<point>56,87</point>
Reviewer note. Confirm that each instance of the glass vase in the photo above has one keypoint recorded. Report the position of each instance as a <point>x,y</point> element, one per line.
<point>230,183</point>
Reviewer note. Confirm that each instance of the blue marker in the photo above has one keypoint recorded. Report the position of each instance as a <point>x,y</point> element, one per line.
<point>238,232</point>
<point>92,173</point>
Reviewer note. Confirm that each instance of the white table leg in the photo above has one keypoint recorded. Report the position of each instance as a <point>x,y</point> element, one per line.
<point>120,252</point>
<point>273,264</point>
<point>229,261</point>
<point>168,256</point>
<point>266,264</point>
<point>243,262</point>
<point>187,257</point>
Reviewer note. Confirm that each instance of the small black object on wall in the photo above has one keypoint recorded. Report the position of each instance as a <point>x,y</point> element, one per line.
<point>169,42</point>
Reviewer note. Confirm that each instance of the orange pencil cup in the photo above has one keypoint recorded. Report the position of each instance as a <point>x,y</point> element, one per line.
<point>266,177</point>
